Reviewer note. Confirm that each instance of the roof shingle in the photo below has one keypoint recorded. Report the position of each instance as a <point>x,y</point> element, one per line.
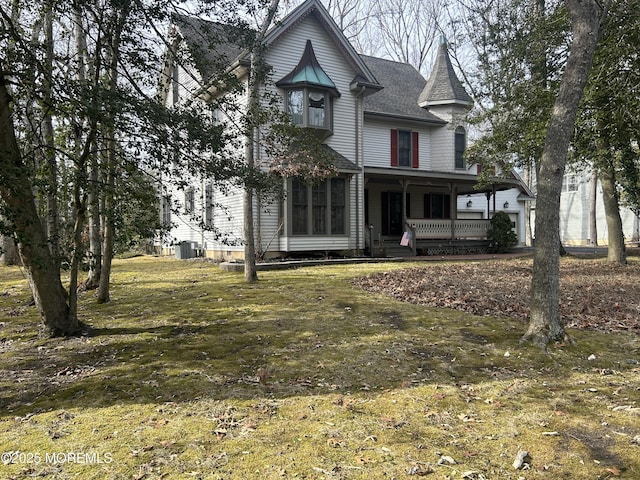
<point>443,86</point>
<point>402,87</point>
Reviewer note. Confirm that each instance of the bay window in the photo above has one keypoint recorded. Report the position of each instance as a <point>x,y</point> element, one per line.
<point>309,108</point>
<point>319,209</point>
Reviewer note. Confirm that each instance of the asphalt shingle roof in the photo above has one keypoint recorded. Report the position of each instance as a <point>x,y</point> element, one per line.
<point>443,85</point>
<point>213,46</point>
<point>403,85</point>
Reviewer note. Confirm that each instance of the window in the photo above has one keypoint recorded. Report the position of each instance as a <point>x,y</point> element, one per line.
<point>309,108</point>
<point>570,183</point>
<point>300,204</point>
<point>404,148</point>
<point>189,201</point>
<point>338,205</point>
<point>208,213</point>
<point>460,145</point>
<point>320,209</point>
<point>316,109</point>
<point>437,205</point>
<point>319,202</point>
<point>166,210</point>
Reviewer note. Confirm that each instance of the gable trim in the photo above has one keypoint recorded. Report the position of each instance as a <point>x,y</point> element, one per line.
<point>315,7</point>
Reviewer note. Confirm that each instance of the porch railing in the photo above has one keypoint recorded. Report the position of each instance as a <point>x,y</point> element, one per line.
<point>445,229</point>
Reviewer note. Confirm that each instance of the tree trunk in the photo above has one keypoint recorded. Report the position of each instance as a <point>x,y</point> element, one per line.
<point>16,194</point>
<point>9,251</point>
<point>527,208</point>
<point>103,295</point>
<point>615,234</point>
<point>256,76</point>
<point>111,159</point>
<point>250,272</point>
<point>545,324</point>
<point>593,203</point>
<point>78,249</point>
<point>95,242</point>
<point>47,132</point>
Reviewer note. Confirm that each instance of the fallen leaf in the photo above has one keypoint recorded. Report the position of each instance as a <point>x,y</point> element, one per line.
<point>613,471</point>
<point>445,460</point>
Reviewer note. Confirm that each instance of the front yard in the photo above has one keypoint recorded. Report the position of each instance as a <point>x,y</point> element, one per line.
<point>191,373</point>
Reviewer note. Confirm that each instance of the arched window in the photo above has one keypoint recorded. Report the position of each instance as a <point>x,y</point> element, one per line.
<point>460,145</point>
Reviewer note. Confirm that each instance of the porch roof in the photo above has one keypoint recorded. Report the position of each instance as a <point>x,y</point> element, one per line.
<point>342,163</point>
<point>464,182</point>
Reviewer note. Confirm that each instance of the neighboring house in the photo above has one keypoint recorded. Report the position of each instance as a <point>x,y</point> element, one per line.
<point>575,203</point>
<point>512,201</point>
<point>397,140</point>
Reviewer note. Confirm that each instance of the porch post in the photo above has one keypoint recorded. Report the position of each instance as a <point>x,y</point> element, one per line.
<point>488,195</point>
<point>493,188</point>
<point>405,185</point>
<point>453,208</point>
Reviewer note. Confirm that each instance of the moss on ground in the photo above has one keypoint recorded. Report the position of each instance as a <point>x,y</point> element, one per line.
<point>191,373</point>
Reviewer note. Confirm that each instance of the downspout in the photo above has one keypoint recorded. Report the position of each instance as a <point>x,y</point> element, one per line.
<point>359,111</point>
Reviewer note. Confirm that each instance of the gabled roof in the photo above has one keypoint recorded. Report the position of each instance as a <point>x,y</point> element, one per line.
<point>209,42</point>
<point>363,76</point>
<point>342,163</point>
<point>212,46</point>
<point>443,86</point>
<point>399,98</point>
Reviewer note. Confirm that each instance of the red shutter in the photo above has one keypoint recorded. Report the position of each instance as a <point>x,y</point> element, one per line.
<point>394,148</point>
<point>415,162</point>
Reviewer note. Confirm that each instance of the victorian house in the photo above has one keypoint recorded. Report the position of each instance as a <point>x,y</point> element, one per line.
<point>397,141</point>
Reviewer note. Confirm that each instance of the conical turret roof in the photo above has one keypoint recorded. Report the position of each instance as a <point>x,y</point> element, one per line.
<point>443,86</point>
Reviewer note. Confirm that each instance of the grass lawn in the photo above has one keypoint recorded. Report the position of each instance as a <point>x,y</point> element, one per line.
<point>191,373</point>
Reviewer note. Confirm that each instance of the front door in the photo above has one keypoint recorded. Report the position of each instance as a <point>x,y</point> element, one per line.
<point>391,213</point>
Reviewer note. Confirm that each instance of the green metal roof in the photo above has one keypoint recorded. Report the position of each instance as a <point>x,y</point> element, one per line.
<point>308,72</point>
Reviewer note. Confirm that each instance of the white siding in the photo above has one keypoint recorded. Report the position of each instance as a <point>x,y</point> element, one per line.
<point>377,142</point>
<point>574,216</point>
<point>283,55</point>
<point>227,210</point>
<point>443,139</point>
<point>442,149</point>
<point>480,208</point>
<point>184,82</point>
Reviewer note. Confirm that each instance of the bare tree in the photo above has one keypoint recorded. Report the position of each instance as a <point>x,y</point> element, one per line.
<point>354,17</point>
<point>409,29</point>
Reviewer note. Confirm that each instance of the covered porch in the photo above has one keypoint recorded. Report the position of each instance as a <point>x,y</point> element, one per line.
<point>412,212</point>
